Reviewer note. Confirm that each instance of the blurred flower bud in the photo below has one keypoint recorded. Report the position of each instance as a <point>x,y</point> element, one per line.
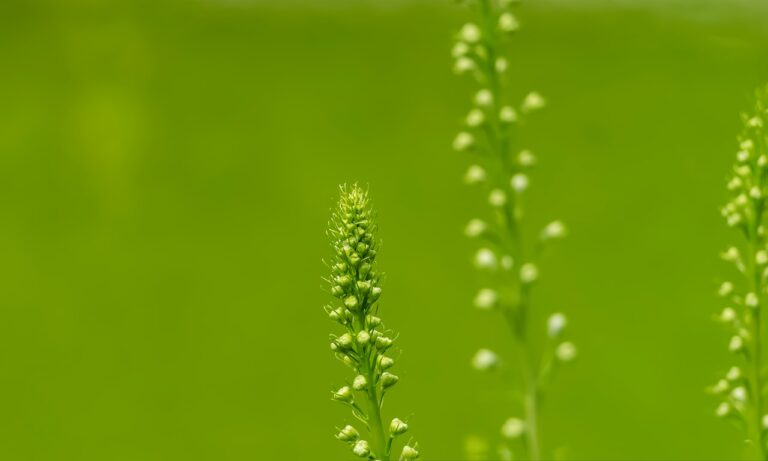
<point>513,428</point>
<point>566,352</point>
<point>555,324</point>
<point>486,298</point>
<point>485,359</point>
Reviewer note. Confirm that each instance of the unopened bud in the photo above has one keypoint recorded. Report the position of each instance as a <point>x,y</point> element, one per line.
<point>397,427</point>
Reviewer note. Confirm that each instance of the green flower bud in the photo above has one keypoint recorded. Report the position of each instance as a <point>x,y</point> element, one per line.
<point>364,286</point>
<point>343,395</point>
<point>359,383</point>
<point>337,291</point>
<point>372,321</point>
<point>351,302</point>
<point>348,434</point>
<point>354,259</point>
<point>362,248</point>
<point>344,280</point>
<point>385,362</point>
<point>343,342</point>
<point>383,343</point>
<point>388,380</point>
<point>397,427</point>
<point>409,453</point>
<point>363,338</point>
<point>364,269</point>
<point>340,268</point>
<point>375,293</point>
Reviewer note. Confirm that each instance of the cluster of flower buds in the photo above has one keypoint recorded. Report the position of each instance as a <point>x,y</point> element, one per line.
<point>355,283</point>
<point>745,211</point>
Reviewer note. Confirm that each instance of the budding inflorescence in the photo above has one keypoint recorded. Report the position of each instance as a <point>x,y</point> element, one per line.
<point>742,387</point>
<point>355,282</point>
<point>488,138</point>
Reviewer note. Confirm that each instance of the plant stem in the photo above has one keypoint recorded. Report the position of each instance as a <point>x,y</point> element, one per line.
<point>380,444</point>
<point>757,449</point>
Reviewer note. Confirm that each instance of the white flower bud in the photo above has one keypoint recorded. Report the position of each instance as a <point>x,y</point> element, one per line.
<point>743,170</point>
<point>343,342</point>
<point>519,182</point>
<point>361,449</point>
<point>363,338</point>
<point>475,118</point>
<point>484,98</point>
<point>397,427</point>
<point>485,259</point>
<point>755,192</point>
<point>720,387</point>
<point>485,359</point>
<point>725,289</point>
<point>553,230</point>
<point>733,374</point>
<point>736,344</point>
<point>735,183</point>
<point>762,161</point>
<point>731,254</point>
<point>459,49</point>
<point>344,394</point>
<point>739,394</point>
<point>751,300</point>
<point>348,434</point>
<point>728,315</point>
<point>474,175</point>
<point>755,122</point>
<point>501,65</point>
<point>556,324</point>
<point>747,144</point>
<point>470,33</point>
<point>761,257</point>
<point>385,362</point>
<point>507,114</point>
<point>359,383</point>
<point>463,65</point>
<point>566,352</point>
<point>765,421</point>
<point>508,23</point>
<point>533,101</point>
<point>497,198</point>
<point>486,298</point>
<point>742,156</point>
<point>526,158</point>
<point>513,428</point>
<point>475,228</point>
<point>529,273</point>
<point>383,343</point>
<point>351,302</point>
<point>723,410</point>
<point>463,141</point>
<point>409,453</point>
<point>734,220</point>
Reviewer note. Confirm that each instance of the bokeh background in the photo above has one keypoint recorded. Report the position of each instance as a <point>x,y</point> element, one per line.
<point>167,169</point>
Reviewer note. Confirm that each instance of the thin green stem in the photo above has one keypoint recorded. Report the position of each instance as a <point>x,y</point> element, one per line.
<point>380,445</point>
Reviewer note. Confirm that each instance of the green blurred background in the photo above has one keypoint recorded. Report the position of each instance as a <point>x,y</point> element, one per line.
<point>166,173</point>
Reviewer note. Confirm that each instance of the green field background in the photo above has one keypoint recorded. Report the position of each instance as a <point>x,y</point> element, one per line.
<point>166,174</point>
